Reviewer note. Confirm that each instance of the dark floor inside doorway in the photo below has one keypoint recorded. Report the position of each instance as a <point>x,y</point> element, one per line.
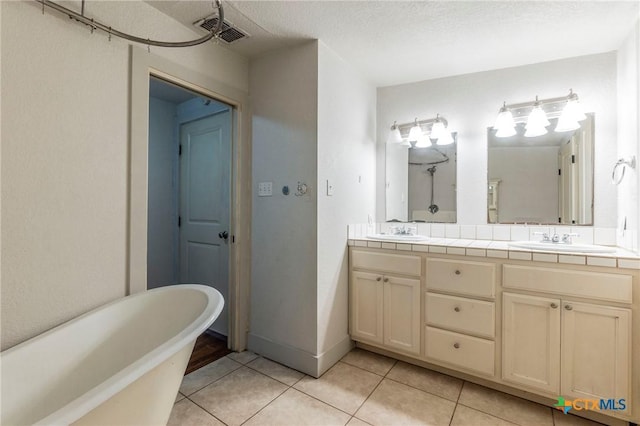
<point>209,347</point>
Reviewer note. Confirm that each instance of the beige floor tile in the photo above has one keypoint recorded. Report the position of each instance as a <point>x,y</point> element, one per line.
<point>206,375</point>
<point>243,357</point>
<point>186,413</point>
<point>426,380</point>
<point>561,419</point>
<point>357,422</point>
<point>296,408</point>
<point>179,397</point>
<point>343,386</point>
<point>393,403</point>
<point>369,361</point>
<point>507,407</point>
<point>276,371</point>
<point>465,416</point>
<point>239,395</point>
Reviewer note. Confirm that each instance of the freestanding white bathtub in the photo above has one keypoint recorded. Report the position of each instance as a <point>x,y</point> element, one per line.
<point>121,364</point>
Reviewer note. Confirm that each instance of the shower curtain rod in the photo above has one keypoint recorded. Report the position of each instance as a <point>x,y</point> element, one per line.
<point>95,25</point>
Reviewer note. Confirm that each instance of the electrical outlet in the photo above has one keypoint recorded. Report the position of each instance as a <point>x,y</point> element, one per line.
<point>265,189</point>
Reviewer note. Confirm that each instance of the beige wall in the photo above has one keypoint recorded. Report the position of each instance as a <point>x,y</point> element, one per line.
<point>65,142</point>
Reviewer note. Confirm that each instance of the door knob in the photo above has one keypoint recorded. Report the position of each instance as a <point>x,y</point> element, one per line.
<point>224,235</point>
<point>568,307</point>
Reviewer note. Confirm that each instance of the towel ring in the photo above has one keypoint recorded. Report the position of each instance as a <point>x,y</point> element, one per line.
<point>624,163</point>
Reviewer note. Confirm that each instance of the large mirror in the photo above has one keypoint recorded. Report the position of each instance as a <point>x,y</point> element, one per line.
<point>421,183</point>
<point>545,179</point>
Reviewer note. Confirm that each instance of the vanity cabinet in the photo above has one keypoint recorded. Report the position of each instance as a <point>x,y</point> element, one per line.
<point>459,326</point>
<point>385,307</point>
<point>547,328</point>
<point>563,347</point>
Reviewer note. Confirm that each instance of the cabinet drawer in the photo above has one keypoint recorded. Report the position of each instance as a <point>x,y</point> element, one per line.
<point>614,287</point>
<point>460,314</point>
<point>466,278</point>
<point>461,350</point>
<point>386,262</point>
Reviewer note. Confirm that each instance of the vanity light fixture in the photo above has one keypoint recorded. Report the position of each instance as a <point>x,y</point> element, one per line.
<point>421,133</point>
<point>536,114</point>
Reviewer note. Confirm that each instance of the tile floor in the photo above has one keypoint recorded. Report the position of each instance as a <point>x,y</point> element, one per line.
<point>362,389</point>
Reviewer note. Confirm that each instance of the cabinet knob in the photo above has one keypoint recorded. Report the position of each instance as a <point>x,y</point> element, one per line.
<point>456,345</point>
<point>568,307</point>
<point>457,309</point>
<point>386,280</point>
<point>458,272</point>
<point>378,279</point>
<point>554,305</point>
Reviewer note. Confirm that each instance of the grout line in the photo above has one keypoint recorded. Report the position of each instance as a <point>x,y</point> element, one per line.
<point>283,366</point>
<point>493,415</point>
<point>266,405</point>
<point>364,369</point>
<point>206,411</point>
<point>453,414</point>
<point>422,390</point>
<point>324,402</point>
<point>210,383</point>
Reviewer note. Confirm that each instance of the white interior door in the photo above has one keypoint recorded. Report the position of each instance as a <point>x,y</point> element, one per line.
<point>204,206</point>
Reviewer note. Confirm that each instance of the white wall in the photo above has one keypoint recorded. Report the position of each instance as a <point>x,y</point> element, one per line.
<point>346,158</point>
<point>283,87</point>
<point>162,209</point>
<point>628,97</point>
<point>65,141</point>
<point>313,122</point>
<point>471,102</point>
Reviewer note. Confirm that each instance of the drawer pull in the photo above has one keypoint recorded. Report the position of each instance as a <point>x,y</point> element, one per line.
<point>456,345</point>
<point>458,272</point>
<point>386,280</point>
<point>568,307</point>
<point>378,279</point>
<point>554,305</point>
<point>457,309</point>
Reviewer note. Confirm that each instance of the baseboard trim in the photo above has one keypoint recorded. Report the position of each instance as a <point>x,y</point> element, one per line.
<point>298,359</point>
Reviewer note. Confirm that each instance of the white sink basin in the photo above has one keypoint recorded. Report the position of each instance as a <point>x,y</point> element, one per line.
<point>398,237</point>
<point>581,248</point>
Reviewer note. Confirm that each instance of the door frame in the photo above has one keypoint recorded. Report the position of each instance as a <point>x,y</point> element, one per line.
<point>143,66</point>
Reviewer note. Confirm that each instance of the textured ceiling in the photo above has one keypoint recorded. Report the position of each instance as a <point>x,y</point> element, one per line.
<point>395,42</point>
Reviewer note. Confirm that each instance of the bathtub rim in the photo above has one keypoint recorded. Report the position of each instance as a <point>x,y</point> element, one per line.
<point>82,405</point>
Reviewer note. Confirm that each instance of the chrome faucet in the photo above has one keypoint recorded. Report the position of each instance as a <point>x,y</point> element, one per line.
<point>566,238</point>
<point>555,238</point>
<point>402,230</point>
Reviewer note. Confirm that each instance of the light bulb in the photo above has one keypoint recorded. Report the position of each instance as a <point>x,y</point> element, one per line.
<point>445,138</point>
<point>394,134</point>
<point>566,124</point>
<point>573,111</point>
<point>416,132</point>
<point>533,131</point>
<point>423,142</point>
<point>504,119</point>
<point>506,132</point>
<point>437,130</point>
<point>537,118</point>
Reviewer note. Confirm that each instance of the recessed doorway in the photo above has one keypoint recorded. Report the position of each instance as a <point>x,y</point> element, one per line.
<point>189,179</point>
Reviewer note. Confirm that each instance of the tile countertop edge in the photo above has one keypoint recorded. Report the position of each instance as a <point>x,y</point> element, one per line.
<point>624,258</point>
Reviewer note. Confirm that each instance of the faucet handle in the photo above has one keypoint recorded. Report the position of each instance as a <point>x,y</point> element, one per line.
<point>566,238</point>
<point>545,236</point>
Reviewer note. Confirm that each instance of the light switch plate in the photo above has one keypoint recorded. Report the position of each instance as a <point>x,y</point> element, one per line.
<point>329,188</point>
<point>265,189</point>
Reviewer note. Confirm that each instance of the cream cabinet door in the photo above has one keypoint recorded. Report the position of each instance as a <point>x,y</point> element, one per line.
<point>402,314</point>
<point>366,306</point>
<point>531,341</point>
<point>596,351</point>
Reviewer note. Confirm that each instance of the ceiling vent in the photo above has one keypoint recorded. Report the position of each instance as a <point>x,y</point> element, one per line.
<point>230,34</point>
